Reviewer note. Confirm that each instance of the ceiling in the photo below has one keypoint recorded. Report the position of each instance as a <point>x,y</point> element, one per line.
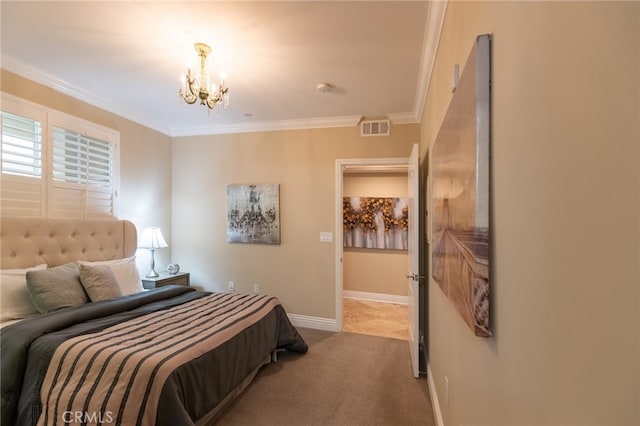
<point>127,57</point>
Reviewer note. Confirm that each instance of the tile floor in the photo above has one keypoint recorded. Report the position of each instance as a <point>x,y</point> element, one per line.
<point>375,318</point>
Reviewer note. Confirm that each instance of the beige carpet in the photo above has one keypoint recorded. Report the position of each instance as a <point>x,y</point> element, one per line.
<point>344,379</point>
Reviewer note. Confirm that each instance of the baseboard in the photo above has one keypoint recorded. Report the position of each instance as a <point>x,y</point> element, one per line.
<point>316,323</point>
<point>376,297</point>
<point>434,397</point>
<point>330,324</point>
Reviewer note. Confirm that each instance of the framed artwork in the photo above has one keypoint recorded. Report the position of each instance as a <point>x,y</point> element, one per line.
<point>375,222</point>
<point>459,186</point>
<point>253,214</point>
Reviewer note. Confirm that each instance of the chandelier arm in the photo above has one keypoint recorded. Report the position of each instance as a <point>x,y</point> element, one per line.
<point>188,93</point>
<point>190,100</point>
<point>213,100</point>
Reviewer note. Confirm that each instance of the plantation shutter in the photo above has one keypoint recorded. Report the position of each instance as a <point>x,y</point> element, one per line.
<point>21,185</point>
<point>21,146</point>
<point>83,175</point>
<point>54,164</point>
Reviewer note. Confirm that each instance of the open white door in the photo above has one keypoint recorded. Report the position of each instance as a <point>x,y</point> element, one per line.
<point>413,276</point>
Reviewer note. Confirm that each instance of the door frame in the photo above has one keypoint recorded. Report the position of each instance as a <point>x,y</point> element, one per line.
<point>372,165</point>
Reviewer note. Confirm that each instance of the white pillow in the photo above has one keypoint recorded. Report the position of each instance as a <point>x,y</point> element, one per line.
<point>125,271</point>
<point>15,300</point>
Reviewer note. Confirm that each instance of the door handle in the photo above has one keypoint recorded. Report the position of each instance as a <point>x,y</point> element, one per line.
<point>415,277</point>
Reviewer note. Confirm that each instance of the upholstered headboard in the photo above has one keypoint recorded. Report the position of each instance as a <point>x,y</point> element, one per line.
<point>28,242</point>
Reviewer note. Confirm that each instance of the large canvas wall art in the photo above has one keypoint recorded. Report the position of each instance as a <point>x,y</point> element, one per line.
<point>376,222</point>
<point>459,180</point>
<point>253,214</point>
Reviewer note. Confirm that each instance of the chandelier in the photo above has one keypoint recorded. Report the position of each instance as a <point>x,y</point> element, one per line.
<point>201,86</point>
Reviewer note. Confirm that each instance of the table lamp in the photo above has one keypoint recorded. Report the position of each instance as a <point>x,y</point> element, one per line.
<point>152,239</point>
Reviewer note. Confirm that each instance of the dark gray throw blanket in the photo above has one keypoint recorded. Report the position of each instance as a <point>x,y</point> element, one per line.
<point>168,356</point>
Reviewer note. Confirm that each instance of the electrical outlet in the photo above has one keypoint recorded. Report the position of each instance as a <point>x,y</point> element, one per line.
<point>256,288</point>
<point>232,286</point>
<point>446,391</point>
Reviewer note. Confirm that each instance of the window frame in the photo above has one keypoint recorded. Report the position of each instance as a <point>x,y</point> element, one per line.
<point>50,118</point>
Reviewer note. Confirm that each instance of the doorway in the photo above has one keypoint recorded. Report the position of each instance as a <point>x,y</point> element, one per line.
<point>371,295</point>
<point>412,276</point>
<point>375,261</point>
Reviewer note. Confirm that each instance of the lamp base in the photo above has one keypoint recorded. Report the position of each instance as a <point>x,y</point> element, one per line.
<point>153,273</point>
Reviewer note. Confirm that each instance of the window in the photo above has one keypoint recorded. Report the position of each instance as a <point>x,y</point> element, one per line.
<point>56,165</point>
<point>21,145</point>
<point>81,159</point>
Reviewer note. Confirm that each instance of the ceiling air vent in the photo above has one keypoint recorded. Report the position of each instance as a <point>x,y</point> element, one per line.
<point>375,128</point>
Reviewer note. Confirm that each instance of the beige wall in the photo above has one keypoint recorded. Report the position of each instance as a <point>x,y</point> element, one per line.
<point>565,218</point>
<point>301,270</point>
<point>145,160</point>
<point>375,271</point>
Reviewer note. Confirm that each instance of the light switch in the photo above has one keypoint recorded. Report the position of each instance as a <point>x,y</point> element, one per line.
<point>326,237</point>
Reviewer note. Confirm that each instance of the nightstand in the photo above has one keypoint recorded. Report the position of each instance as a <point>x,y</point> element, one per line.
<point>181,278</point>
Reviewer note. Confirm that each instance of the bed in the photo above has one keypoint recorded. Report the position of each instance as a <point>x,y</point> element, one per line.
<point>117,354</point>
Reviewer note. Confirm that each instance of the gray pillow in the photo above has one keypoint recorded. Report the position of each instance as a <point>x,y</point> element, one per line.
<point>99,282</point>
<point>56,288</point>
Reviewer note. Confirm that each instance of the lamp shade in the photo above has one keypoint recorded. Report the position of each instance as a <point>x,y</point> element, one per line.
<point>152,238</point>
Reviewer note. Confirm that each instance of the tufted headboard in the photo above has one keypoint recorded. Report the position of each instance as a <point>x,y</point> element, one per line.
<point>28,242</point>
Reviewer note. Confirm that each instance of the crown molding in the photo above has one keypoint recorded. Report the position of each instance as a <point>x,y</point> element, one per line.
<point>433,29</point>
<point>435,20</point>
<point>404,117</point>
<point>267,126</point>
<point>16,66</point>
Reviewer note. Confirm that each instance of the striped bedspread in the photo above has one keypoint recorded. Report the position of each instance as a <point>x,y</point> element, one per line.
<point>116,375</point>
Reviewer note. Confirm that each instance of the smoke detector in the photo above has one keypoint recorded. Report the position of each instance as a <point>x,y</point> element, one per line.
<point>324,87</point>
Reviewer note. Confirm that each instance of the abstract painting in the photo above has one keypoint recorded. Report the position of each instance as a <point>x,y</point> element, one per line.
<point>459,204</point>
<point>375,222</point>
<point>253,214</point>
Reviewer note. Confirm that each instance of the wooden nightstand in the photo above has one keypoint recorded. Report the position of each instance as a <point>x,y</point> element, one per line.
<point>165,278</point>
